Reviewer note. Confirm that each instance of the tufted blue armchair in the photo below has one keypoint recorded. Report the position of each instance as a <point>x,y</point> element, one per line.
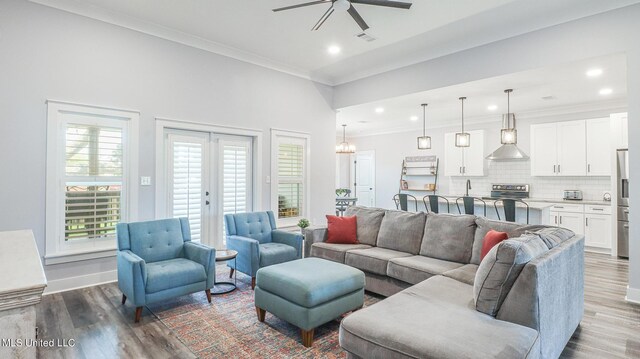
<point>259,243</point>
<point>157,261</point>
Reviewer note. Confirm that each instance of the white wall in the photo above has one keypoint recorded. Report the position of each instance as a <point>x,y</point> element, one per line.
<point>612,32</point>
<point>50,54</point>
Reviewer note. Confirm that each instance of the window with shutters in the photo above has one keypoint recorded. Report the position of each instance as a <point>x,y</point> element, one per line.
<point>88,190</point>
<point>291,185</point>
<point>236,176</point>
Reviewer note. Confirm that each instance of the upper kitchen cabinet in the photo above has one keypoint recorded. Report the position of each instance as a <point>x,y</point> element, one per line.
<point>599,147</point>
<point>571,148</point>
<point>464,161</point>
<point>620,136</point>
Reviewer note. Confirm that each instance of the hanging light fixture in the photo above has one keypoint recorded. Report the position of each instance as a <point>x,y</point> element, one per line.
<point>508,134</point>
<point>424,141</point>
<point>463,139</point>
<point>344,146</point>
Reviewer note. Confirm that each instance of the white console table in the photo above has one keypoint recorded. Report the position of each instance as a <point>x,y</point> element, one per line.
<point>22,282</point>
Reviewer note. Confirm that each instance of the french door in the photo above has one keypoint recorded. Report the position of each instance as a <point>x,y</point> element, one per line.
<point>208,175</point>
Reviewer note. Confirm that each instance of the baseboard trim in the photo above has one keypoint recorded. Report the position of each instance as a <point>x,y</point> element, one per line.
<point>83,281</point>
<point>633,295</point>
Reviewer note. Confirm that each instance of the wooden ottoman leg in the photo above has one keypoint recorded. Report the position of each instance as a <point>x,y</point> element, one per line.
<point>307,337</point>
<point>261,313</point>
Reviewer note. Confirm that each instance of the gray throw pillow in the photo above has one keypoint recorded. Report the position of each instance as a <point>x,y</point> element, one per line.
<point>448,237</point>
<point>500,268</point>
<point>368,222</point>
<point>401,231</point>
<point>484,226</point>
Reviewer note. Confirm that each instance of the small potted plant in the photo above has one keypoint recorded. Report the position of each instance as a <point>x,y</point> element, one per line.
<point>303,223</point>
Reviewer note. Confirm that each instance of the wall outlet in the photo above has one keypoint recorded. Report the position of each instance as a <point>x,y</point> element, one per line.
<point>145,181</point>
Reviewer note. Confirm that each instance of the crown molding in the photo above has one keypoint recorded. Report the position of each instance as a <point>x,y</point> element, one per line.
<point>584,109</point>
<point>167,33</point>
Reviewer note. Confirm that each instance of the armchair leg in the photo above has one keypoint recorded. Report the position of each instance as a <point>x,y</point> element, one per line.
<point>231,273</point>
<point>138,314</point>
<point>261,314</point>
<point>253,283</point>
<point>208,291</point>
<point>124,299</point>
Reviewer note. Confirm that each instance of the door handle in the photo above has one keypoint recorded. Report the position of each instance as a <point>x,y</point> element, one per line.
<point>586,222</point>
<point>554,168</point>
<point>558,168</point>
<point>556,219</point>
<point>206,193</point>
<point>588,168</point>
<point>206,202</point>
<point>560,219</point>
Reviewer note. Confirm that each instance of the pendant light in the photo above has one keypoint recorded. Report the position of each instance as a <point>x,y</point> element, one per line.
<point>508,134</point>
<point>344,147</point>
<point>463,139</point>
<point>424,141</point>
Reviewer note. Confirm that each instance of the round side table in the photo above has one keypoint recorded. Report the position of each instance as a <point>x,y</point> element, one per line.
<point>223,256</point>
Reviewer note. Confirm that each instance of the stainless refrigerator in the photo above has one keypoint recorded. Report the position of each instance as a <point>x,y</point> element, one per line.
<point>623,203</point>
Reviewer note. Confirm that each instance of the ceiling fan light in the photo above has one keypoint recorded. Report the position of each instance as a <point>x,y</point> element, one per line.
<point>424,142</point>
<point>341,5</point>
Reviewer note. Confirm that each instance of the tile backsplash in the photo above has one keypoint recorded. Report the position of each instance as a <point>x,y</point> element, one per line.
<point>519,172</point>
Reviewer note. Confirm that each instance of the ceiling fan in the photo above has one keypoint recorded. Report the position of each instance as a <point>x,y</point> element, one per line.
<point>347,5</point>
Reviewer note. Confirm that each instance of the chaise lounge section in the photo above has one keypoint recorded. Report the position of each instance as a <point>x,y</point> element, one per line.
<point>444,302</point>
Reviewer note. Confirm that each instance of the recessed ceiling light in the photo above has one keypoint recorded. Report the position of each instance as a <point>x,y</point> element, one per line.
<point>606,91</point>
<point>379,110</point>
<point>594,72</point>
<point>334,50</point>
<point>492,107</point>
<point>414,118</point>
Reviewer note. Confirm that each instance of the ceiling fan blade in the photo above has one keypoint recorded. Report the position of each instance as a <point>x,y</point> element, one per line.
<point>387,3</point>
<point>323,19</point>
<point>356,16</point>
<point>301,5</point>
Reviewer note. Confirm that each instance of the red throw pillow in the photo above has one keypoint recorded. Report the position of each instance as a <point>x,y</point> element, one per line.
<point>342,230</point>
<point>491,239</point>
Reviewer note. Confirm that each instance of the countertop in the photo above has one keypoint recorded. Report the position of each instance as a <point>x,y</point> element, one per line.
<point>534,203</point>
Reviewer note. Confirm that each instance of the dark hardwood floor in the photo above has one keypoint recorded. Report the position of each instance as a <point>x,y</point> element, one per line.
<point>103,328</point>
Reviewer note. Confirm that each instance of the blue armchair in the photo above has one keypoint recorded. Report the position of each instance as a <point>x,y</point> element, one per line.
<point>259,243</point>
<point>157,261</point>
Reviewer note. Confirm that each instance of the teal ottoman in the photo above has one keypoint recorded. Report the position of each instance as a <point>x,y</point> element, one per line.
<point>308,293</point>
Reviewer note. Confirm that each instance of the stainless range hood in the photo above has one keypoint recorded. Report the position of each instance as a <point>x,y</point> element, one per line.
<point>509,151</point>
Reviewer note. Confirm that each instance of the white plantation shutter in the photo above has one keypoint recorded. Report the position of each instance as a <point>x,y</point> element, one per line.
<point>235,177</point>
<point>93,181</point>
<point>291,179</point>
<point>187,181</point>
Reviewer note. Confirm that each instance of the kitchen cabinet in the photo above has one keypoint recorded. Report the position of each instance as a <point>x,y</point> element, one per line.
<point>597,228</point>
<point>619,125</point>
<point>571,148</point>
<point>599,147</point>
<point>464,161</point>
<point>592,221</point>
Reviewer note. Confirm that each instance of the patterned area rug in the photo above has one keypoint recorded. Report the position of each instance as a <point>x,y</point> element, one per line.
<point>229,327</point>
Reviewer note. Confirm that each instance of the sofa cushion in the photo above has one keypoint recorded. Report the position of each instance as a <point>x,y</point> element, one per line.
<point>552,236</point>
<point>274,253</point>
<point>485,225</point>
<point>500,268</point>
<point>173,273</point>
<point>372,260</point>
<point>434,319</point>
<point>490,240</point>
<point>401,231</point>
<point>465,274</point>
<point>341,229</point>
<point>368,223</point>
<point>334,252</point>
<point>448,237</point>
<point>415,269</point>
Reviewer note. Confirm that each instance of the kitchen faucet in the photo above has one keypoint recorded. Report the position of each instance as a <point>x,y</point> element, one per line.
<point>468,187</point>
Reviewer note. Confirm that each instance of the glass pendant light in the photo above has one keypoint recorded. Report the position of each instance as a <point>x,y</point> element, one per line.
<point>508,134</point>
<point>463,139</point>
<point>344,147</point>
<point>424,141</point>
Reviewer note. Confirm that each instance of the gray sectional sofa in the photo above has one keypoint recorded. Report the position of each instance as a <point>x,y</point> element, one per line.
<point>524,300</point>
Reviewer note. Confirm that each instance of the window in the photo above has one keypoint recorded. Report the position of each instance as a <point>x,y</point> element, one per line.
<point>88,186</point>
<point>290,187</point>
<point>235,176</point>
